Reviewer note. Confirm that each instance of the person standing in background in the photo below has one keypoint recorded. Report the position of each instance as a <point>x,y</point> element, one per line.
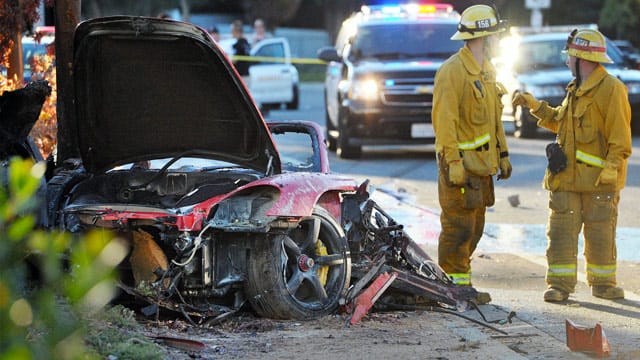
<point>259,32</point>
<point>215,34</point>
<point>471,144</point>
<point>587,169</point>
<point>240,47</point>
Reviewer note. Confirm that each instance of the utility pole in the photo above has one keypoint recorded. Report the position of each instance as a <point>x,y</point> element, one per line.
<point>536,7</point>
<point>67,16</point>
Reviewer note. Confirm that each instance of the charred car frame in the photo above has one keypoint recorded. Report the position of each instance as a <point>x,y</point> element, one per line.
<point>168,150</point>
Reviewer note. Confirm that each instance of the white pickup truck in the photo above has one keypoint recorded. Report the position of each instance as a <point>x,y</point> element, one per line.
<point>273,80</point>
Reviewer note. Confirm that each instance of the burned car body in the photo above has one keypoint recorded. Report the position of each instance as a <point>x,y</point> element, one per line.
<point>175,156</point>
<point>170,152</point>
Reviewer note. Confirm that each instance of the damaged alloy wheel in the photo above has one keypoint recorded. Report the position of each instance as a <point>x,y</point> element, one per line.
<point>301,274</point>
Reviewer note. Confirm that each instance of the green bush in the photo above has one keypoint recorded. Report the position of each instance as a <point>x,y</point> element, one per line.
<point>42,319</point>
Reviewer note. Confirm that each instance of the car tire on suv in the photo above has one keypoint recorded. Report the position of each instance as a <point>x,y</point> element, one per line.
<point>295,101</point>
<point>332,143</point>
<point>344,149</point>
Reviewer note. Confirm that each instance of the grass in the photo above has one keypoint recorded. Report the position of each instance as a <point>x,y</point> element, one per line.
<point>114,332</point>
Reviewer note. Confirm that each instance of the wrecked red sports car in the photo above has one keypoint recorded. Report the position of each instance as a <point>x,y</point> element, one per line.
<point>173,154</point>
<point>167,148</point>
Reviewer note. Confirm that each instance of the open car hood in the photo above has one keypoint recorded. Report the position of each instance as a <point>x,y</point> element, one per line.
<point>151,88</point>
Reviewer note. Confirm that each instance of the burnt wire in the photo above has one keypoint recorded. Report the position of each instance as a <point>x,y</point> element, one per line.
<point>442,310</point>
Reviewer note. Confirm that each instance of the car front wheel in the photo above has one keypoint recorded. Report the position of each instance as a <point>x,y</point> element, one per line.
<point>344,149</point>
<point>295,102</point>
<point>300,274</point>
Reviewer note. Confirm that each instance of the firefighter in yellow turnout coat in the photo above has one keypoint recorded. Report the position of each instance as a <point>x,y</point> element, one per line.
<point>470,140</point>
<point>594,133</point>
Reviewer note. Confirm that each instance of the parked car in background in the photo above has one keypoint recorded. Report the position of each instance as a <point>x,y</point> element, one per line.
<point>630,52</point>
<point>379,79</point>
<point>535,62</point>
<point>273,79</point>
<point>37,45</point>
<point>34,47</point>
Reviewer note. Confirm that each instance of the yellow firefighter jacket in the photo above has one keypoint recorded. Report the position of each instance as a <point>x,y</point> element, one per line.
<point>467,114</point>
<point>593,124</point>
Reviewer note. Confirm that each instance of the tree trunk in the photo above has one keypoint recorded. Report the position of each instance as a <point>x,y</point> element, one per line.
<point>16,63</point>
<point>67,17</point>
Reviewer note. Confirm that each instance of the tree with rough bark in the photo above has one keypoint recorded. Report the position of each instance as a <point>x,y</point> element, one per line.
<point>16,17</point>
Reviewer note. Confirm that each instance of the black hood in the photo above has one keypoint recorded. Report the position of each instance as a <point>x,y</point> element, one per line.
<point>152,88</point>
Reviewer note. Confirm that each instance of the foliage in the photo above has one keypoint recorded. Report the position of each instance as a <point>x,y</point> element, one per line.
<point>44,132</point>
<point>15,17</point>
<point>619,18</point>
<point>40,319</point>
<point>115,332</point>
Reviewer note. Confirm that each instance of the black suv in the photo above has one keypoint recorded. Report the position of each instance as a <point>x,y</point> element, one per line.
<point>380,74</point>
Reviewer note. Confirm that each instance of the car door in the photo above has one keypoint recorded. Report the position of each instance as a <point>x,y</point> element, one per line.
<point>272,78</point>
<point>301,146</point>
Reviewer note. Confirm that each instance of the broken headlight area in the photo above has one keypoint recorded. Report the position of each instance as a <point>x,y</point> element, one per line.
<point>245,212</point>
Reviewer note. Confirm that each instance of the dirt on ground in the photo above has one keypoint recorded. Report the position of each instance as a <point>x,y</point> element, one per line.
<point>517,324</point>
<point>381,335</point>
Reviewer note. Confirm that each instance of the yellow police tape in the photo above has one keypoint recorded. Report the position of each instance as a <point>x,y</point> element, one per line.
<point>277,59</point>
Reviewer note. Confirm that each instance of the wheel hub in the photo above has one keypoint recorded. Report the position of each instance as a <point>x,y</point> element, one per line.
<point>305,263</point>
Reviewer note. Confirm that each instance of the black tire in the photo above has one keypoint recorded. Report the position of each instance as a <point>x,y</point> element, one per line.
<point>57,193</point>
<point>295,102</point>
<point>332,143</point>
<point>344,149</point>
<point>524,124</point>
<point>300,275</point>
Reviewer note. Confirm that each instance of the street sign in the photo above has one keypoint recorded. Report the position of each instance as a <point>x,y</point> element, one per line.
<point>537,4</point>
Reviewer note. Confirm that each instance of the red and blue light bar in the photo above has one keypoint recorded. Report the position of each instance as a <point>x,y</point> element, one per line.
<point>406,10</point>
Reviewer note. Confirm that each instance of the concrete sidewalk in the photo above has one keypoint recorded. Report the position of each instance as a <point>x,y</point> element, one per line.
<point>516,283</point>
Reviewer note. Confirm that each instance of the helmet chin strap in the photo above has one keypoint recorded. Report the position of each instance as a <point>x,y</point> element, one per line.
<point>578,77</point>
<point>487,49</point>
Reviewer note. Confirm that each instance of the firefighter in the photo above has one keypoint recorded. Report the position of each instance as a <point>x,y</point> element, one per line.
<point>587,172</point>
<point>470,141</point>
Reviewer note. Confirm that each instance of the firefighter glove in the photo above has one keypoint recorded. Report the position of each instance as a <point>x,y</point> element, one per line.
<point>608,176</point>
<point>456,172</point>
<point>505,168</point>
<point>525,99</point>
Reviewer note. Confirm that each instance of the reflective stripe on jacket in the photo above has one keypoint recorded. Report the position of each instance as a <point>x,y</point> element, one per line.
<point>461,278</point>
<point>593,124</point>
<point>467,112</point>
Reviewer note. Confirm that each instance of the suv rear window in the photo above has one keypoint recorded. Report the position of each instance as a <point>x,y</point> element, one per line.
<point>397,41</point>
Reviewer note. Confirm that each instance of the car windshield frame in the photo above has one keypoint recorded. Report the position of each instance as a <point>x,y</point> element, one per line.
<point>544,54</point>
<point>389,41</point>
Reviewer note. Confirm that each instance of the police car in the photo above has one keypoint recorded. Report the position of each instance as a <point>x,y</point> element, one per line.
<point>380,74</point>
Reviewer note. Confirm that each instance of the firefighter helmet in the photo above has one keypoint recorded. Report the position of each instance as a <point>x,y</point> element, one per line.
<point>588,44</point>
<point>478,21</point>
